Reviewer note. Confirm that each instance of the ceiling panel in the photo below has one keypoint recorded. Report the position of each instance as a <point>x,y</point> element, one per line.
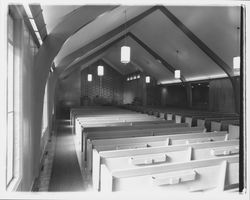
<point>101,25</point>
<point>215,26</point>
<point>141,57</point>
<point>164,37</point>
<point>54,14</point>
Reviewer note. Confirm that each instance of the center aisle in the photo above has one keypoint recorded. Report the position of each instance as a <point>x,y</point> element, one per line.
<point>66,173</point>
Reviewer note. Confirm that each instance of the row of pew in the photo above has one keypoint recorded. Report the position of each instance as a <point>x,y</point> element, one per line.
<point>212,121</point>
<point>125,150</point>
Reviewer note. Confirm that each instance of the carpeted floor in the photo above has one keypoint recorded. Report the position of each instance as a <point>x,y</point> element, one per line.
<point>66,174</point>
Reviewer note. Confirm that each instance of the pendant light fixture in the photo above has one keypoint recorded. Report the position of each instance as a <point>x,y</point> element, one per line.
<point>177,73</point>
<point>100,70</point>
<point>236,60</point>
<point>125,50</point>
<point>147,79</point>
<point>89,77</point>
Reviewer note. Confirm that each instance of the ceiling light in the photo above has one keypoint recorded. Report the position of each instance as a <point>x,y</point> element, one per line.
<point>236,61</point>
<point>138,76</point>
<point>100,70</point>
<point>125,54</point>
<point>177,73</point>
<point>125,50</point>
<point>147,79</point>
<point>89,77</point>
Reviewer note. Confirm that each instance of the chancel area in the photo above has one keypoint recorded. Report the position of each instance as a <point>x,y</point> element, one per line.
<point>123,98</point>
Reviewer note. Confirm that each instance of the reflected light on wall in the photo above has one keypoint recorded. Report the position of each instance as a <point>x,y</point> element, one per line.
<point>236,61</point>
<point>100,70</point>
<point>147,79</point>
<point>164,90</point>
<point>89,77</point>
<point>197,78</point>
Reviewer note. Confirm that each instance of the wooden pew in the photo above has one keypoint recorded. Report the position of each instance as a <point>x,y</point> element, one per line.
<point>218,174</point>
<point>150,142</point>
<point>121,125</point>
<point>101,112</point>
<point>233,131</point>
<point>193,119</point>
<point>222,125</point>
<point>206,122</point>
<point>125,131</point>
<point>185,115</point>
<point>85,149</point>
<point>133,158</point>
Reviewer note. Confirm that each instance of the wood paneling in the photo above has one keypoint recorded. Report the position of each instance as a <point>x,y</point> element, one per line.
<point>174,95</point>
<point>221,96</point>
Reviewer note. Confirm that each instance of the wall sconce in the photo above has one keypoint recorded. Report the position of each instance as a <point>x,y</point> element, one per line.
<point>147,79</point>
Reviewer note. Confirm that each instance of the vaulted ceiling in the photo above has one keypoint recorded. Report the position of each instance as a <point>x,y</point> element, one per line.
<point>206,38</point>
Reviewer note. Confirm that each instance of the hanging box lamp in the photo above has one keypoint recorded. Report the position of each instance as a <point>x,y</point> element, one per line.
<point>147,79</point>
<point>100,70</point>
<point>125,54</point>
<point>236,62</point>
<point>89,77</point>
<point>177,73</point>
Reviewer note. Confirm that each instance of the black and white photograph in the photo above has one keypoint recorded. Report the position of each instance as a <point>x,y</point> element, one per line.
<point>124,99</point>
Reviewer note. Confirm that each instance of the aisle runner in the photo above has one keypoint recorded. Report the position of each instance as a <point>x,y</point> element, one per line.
<point>66,174</point>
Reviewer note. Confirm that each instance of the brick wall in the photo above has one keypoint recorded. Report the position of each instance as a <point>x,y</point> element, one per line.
<point>108,88</point>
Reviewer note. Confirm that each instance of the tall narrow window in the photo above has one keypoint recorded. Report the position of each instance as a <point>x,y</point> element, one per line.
<point>10,100</point>
<point>45,110</point>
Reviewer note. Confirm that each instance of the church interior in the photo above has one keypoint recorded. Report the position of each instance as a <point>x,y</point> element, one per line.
<point>123,98</point>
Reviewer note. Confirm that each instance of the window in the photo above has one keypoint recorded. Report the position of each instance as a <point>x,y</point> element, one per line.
<point>10,102</point>
<point>45,110</point>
